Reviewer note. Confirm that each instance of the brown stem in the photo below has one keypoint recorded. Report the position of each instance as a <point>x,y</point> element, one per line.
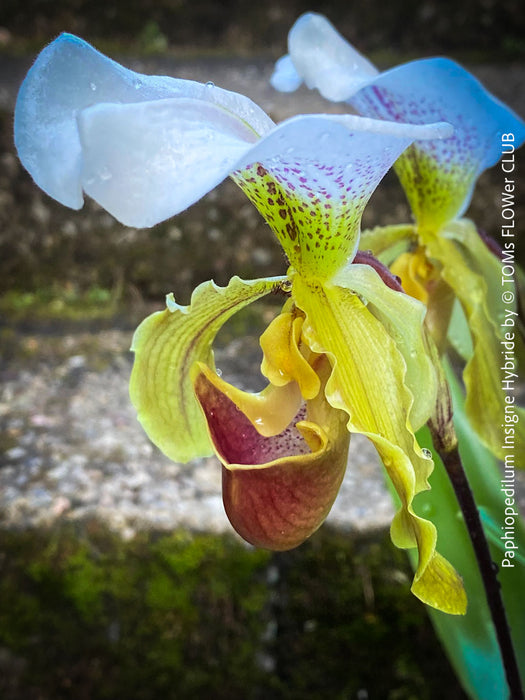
<point>488,569</point>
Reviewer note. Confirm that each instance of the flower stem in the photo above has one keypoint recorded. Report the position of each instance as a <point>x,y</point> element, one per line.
<point>488,569</point>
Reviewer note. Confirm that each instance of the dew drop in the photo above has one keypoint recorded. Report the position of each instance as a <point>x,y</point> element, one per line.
<point>137,84</point>
<point>427,509</point>
<point>210,84</point>
<point>105,174</point>
<point>426,453</point>
<point>93,86</point>
<point>219,372</point>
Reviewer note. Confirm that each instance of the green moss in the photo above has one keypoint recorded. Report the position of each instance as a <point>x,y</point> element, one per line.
<point>348,607</point>
<point>85,615</point>
<point>59,303</point>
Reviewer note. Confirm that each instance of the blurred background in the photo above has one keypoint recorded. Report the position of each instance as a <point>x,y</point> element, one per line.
<point>119,575</point>
<point>475,27</point>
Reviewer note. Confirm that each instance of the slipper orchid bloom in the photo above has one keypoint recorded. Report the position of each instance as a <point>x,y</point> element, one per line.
<point>442,260</point>
<point>346,354</point>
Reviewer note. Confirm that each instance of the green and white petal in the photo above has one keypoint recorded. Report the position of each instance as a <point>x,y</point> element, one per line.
<point>167,345</point>
<point>312,176</point>
<point>368,383</point>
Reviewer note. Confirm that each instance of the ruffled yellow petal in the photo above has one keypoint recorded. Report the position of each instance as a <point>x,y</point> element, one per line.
<point>368,383</point>
<point>166,345</point>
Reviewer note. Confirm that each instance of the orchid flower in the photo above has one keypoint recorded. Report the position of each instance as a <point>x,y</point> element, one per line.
<point>347,353</point>
<point>442,259</point>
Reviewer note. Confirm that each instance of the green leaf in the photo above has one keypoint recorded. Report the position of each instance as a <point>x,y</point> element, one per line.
<point>470,641</point>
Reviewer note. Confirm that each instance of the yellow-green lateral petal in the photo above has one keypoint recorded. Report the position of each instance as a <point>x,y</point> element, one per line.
<point>402,317</point>
<point>166,345</point>
<point>368,383</point>
<point>474,274</point>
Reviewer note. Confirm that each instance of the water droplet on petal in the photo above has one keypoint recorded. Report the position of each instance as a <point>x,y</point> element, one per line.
<point>210,84</point>
<point>427,454</point>
<point>219,372</point>
<point>170,302</point>
<point>137,84</point>
<point>93,86</point>
<point>105,174</point>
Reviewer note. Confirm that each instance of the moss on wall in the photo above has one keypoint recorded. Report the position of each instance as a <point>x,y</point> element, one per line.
<point>85,615</point>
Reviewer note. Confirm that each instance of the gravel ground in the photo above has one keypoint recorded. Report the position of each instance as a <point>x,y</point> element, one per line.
<point>73,447</point>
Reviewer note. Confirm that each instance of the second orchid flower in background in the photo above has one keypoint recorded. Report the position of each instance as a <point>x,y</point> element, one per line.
<point>441,259</point>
